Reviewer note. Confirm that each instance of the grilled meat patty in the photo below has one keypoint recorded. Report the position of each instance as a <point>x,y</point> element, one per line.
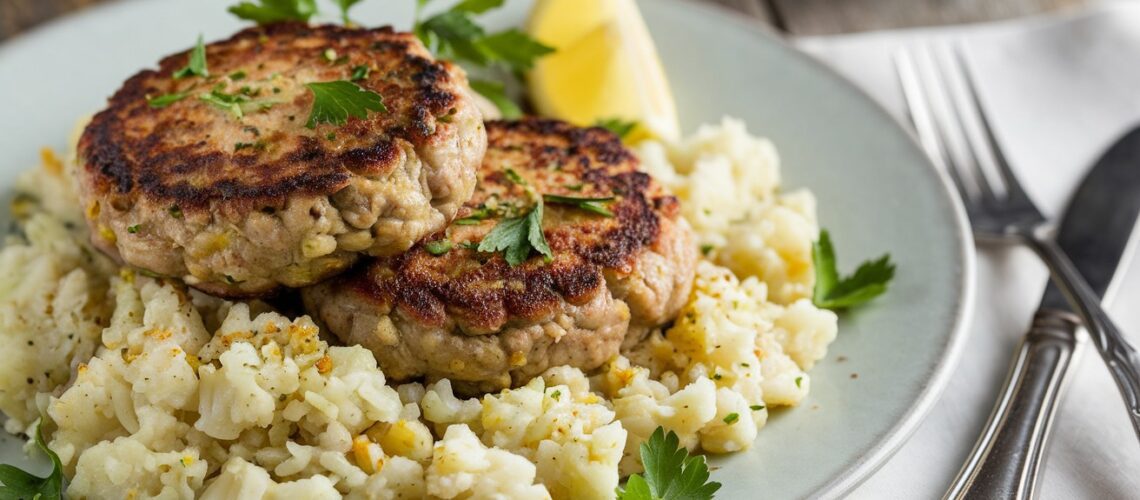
<point>470,316</point>
<point>229,190</point>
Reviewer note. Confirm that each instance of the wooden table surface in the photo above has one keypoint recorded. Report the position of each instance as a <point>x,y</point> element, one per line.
<point>795,17</point>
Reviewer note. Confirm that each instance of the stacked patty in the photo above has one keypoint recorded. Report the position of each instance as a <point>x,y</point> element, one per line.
<point>470,316</point>
<point>220,180</point>
<point>227,189</point>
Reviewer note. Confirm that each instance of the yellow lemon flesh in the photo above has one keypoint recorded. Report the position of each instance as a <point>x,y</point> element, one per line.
<point>605,67</point>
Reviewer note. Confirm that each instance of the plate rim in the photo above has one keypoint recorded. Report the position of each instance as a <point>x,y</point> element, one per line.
<point>931,392</point>
<point>935,384</point>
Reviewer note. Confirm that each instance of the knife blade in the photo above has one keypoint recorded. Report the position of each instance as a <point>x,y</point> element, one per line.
<point>1094,232</point>
<point>1099,222</point>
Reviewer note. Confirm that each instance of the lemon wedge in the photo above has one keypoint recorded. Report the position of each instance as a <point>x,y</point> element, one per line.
<point>605,67</point>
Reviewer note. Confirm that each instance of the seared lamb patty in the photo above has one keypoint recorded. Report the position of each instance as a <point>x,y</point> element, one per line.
<point>217,180</point>
<point>446,309</point>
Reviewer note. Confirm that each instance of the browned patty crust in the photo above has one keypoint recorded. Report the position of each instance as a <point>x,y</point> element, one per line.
<point>471,317</point>
<point>281,204</point>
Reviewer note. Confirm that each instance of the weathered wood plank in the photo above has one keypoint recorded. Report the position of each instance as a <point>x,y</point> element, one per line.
<point>798,17</point>
<point>823,17</point>
<point>19,15</point>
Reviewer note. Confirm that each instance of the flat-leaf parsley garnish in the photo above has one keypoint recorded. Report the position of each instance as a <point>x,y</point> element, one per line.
<point>454,34</point>
<point>497,94</point>
<point>595,205</point>
<point>18,483</point>
<point>670,472</point>
<point>274,11</point>
<point>334,102</point>
<point>869,281</point>
<point>517,236</point>
<point>196,65</point>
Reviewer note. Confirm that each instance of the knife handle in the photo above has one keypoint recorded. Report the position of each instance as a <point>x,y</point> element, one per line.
<point>1122,359</point>
<point>1007,457</point>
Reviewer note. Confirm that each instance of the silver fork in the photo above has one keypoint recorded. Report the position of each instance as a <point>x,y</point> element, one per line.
<point>953,129</point>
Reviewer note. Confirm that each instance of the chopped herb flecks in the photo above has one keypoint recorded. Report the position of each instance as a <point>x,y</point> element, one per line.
<point>360,72</point>
<point>196,65</point>
<point>438,247</point>
<point>165,100</point>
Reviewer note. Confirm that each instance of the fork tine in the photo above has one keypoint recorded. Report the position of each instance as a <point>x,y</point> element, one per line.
<point>919,108</point>
<point>977,151</point>
<point>1012,186</point>
<point>934,121</point>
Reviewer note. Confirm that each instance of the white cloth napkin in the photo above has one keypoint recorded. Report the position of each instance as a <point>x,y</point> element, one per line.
<point>1059,90</point>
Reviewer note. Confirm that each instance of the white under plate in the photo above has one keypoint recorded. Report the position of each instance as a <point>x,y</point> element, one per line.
<point>876,190</point>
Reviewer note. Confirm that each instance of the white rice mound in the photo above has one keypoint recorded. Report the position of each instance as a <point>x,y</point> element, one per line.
<point>728,182</point>
<point>151,390</point>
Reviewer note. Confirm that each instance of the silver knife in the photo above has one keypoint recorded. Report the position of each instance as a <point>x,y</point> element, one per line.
<point>1094,233</point>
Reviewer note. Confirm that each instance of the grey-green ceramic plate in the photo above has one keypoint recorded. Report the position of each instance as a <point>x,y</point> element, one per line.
<point>876,191</point>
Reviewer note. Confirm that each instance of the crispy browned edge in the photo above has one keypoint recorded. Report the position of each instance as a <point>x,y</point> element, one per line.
<point>419,284</point>
<point>151,169</point>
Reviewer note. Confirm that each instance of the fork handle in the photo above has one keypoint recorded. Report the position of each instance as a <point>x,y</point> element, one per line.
<point>1007,456</point>
<point>1121,358</point>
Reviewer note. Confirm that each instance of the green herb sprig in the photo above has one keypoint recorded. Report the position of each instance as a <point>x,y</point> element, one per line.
<point>869,281</point>
<point>454,34</point>
<point>595,205</point>
<point>670,472</point>
<point>275,11</point>
<point>334,102</point>
<point>196,65</point>
<point>518,236</point>
<point>18,483</point>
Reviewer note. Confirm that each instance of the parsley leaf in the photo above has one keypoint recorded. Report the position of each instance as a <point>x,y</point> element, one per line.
<point>18,483</point>
<point>619,127</point>
<point>513,48</point>
<point>494,92</point>
<point>517,236</point>
<point>869,281</point>
<point>454,34</point>
<point>334,102</point>
<point>196,65</point>
<point>165,100</point>
<point>670,473</point>
<point>344,5</point>
<point>594,205</point>
<point>274,11</point>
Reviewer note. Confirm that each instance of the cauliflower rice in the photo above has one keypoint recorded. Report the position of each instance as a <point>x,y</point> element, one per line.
<point>152,390</point>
